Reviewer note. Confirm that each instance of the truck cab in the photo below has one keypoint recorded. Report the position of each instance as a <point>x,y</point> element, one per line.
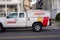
<point>16,20</point>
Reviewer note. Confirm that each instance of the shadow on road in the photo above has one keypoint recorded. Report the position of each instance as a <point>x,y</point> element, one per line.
<point>26,30</point>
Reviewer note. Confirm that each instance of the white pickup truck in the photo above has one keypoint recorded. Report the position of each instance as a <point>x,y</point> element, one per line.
<point>32,18</point>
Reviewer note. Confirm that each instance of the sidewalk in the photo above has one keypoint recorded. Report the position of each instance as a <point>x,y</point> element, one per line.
<point>55,25</point>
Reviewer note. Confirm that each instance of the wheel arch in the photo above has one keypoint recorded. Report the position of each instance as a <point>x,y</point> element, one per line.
<point>37,22</point>
<point>1,24</point>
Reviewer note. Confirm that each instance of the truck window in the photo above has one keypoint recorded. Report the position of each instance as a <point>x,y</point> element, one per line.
<point>14,15</point>
<point>21,15</point>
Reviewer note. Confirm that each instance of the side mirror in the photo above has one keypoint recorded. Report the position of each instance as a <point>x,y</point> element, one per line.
<point>7,17</point>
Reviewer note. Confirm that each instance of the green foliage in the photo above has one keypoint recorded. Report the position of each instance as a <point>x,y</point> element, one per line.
<point>57,18</point>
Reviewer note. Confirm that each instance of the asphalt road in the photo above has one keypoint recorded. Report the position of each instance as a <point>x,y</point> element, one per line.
<point>25,34</point>
<point>49,33</point>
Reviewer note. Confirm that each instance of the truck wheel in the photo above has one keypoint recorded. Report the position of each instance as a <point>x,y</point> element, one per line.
<point>37,27</point>
<point>1,28</point>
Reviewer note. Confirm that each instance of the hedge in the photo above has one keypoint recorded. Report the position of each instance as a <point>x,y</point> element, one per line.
<point>57,18</point>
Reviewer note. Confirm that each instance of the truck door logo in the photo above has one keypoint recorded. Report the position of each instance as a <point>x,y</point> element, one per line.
<point>11,22</point>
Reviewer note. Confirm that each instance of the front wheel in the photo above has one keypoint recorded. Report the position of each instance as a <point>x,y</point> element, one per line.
<point>37,27</point>
<point>1,28</point>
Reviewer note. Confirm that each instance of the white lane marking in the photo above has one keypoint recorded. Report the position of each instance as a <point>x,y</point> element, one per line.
<point>16,37</point>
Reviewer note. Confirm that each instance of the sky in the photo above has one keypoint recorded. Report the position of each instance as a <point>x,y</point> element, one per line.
<point>33,1</point>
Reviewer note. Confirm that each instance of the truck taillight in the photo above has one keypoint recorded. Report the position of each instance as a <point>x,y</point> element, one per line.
<point>50,18</point>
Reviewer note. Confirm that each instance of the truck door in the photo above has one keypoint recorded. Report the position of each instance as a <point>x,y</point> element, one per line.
<point>22,20</point>
<point>12,20</point>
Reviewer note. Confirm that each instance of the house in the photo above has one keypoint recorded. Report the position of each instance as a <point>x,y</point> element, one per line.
<point>7,6</point>
<point>52,5</point>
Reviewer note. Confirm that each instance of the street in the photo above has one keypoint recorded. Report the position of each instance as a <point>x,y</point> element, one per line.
<point>45,34</point>
<point>49,33</point>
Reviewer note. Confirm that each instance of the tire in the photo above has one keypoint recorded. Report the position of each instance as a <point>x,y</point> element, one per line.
<point>37,27</point>
<point>1,28</point>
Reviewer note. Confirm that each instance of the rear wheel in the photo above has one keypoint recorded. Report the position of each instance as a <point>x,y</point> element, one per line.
<point>37,27</point>
<point>1,28</point>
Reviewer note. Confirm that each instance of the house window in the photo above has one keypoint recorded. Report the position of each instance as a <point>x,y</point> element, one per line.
<point>2,14</point>
<point>12,8</point>
<point>2,8</point>
<point>39,4</point>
